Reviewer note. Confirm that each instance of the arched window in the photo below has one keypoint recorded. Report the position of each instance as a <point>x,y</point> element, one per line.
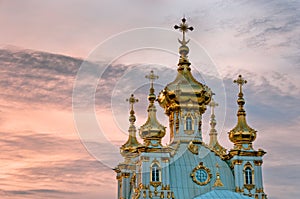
<point>248,175</point>
<point>155,173</point>
<point>188,123</point>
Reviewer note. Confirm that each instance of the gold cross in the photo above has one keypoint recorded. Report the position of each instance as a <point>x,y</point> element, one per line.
<point>240,81</point>
<point>151,77</point>
<point>132,100</point>
<point>183,27</point>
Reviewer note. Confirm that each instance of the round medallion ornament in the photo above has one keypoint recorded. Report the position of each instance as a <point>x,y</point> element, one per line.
<point>201,174</point>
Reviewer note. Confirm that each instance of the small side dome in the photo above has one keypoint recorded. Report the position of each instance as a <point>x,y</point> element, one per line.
<point>242,133</point>
<point>152,131</point>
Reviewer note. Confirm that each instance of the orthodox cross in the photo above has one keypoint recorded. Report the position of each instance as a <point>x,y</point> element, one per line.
<point>183,27</point>
<point>151,77</point>
<point>131,101</point>
<point>240,81</point>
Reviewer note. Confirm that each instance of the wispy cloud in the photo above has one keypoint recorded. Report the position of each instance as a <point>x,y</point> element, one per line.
<point>36,77</point>
<point>36,165</point>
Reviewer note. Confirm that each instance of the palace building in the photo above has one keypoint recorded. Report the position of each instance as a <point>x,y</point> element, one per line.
<point>188,168</point>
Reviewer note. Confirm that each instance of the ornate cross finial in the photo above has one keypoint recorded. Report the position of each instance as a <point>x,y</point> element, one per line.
<point>151,77</point>
<point>131,101</point>
<point>183,27</point>
<point>129,149</point>
<point>240,81</point>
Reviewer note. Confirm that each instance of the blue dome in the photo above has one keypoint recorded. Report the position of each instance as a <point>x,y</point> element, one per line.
<point>185,161</point>
<point>222,194</point>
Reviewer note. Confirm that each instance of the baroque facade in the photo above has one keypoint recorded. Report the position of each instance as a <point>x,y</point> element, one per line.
<point>188,168</point>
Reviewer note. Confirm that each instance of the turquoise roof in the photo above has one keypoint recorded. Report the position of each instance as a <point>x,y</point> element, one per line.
<point>222,194</point>
<point>184,162</point>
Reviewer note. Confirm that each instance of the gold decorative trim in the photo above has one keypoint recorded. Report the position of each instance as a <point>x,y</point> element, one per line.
<point>260,190</point>
<point>137,193</point>
<point>239,190</point>
<point>194,141</point>
<point>126,167</point>
<point>119,177</point>
<point>174,149</point>
<point>169,195</point>
<point>125,175</point>
<point>142,186</point>
<point>166,187</point>
<point>258,162</point>
<point>145,158</point>
<point>249,186</point>
<point>258,153</point>
<point>117,170</point>
<point>193,148</point>
<point>155,184</point>
<point>238,162</point>
<point>189,132</point>
<point>150,194</point>
<point>162,195</point>
<point>156,150</point>
<point>165,159</point>
<point>177,123</point>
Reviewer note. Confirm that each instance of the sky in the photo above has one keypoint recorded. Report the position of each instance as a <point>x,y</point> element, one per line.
<point>67,67</point>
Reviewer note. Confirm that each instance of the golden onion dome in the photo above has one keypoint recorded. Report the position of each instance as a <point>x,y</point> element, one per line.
<point>242,135</point>
<point>129,149</point>
<point>185,91</point>
<point>152,131</point>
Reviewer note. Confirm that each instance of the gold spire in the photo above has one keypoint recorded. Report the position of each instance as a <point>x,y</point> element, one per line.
<point>151,78</point>
<point>152,131</point>
<point>218,182</point>
<point>213,142</point>
<point>242,135</point>
<point>183,49</point>
<point>132,144</point>
<point>213,132</point>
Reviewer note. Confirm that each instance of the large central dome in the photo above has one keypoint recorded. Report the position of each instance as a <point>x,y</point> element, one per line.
<point>185,91</point>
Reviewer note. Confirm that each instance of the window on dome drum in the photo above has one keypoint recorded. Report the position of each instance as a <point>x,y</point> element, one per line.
<point>248,175</point>
<point>188,123</point>
<point>155,173</point>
